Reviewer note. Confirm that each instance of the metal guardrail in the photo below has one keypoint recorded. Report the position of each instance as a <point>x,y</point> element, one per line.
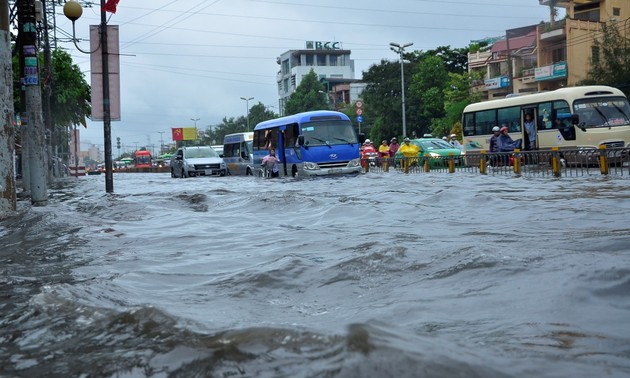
<point>539,163</point>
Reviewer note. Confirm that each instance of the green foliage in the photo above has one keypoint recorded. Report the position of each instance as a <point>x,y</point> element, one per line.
<point>383,100</point>
<point>259,113</point>
<point>70,95</point>
<point>612,66</point>
<point>70,92</point>
<point>215,134</point>
<point>457,96</point>
<point>307,96</point>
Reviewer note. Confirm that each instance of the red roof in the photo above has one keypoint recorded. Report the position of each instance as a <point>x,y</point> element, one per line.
<point>516,43</point>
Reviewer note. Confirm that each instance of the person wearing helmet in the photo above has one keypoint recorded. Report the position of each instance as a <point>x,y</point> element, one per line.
<point>383,154</point>
<point>494,139</point>
<point>445,139</point>
<point>410,154</point>
<point>505,142</point>
<point>368,151</point>
<point>393,147</point>
<point>455,143</point>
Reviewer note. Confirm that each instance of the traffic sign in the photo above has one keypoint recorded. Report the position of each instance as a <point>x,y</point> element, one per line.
<point>359,111</point>
<point>358,104</point>
<point>359,119</point>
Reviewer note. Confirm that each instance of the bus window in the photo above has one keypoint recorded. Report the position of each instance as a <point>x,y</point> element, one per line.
<point>510,117</point>
<point>291,135</point>
<point>544,116</point>
<point>485,121</point>
<point>469,124</point>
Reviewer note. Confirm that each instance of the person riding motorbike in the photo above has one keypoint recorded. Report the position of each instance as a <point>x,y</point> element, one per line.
<point>410,154</point>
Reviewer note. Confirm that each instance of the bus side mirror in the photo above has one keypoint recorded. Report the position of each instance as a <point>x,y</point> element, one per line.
<point>300,140</point>
<point>575,119</point>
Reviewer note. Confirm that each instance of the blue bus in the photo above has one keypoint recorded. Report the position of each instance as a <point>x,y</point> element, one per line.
<point>315,143</point>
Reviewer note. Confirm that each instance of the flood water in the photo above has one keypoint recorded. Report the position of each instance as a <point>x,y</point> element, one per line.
<point>376,275</point>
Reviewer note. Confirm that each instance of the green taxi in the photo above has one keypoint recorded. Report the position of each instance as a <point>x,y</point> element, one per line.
<point>438,150</point>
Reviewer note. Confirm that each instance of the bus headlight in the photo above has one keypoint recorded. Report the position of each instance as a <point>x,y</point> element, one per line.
<point>310,165</point>
<point>354,163</point>
<point>434,155</point>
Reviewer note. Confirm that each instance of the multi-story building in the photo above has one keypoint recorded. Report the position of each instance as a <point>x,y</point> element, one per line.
<point>329,60</point>
<point>549,55</point>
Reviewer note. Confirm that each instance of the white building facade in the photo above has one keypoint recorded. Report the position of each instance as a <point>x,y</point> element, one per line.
<point>329,60</point>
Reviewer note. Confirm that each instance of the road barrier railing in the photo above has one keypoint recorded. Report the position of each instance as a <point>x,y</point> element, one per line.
<point>553,162</point>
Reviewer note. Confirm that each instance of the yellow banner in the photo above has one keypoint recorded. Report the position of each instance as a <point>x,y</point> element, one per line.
<point>189,133</point>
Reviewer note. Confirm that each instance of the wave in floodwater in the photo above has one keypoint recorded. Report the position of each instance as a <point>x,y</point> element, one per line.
<point>386,275</point>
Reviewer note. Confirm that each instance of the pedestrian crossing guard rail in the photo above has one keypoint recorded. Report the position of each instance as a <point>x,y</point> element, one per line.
<point>541,163</point>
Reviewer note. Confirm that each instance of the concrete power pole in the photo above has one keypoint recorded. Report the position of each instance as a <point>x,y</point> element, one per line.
<point>33,103</point>
<point>7,136</point>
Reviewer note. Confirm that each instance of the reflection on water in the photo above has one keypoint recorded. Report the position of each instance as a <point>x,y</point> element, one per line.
<point>364,276</point>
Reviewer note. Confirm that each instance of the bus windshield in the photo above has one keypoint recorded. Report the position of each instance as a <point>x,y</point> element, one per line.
<point>328,133</point>
<point>603,112</point>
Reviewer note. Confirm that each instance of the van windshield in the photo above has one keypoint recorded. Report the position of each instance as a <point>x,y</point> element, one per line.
<point>603,112</point>
<point>328,133</point>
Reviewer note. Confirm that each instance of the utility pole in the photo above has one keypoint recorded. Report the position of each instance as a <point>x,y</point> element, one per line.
<point>33,102</point>
<point>8,200</point>
<point>52,137</point>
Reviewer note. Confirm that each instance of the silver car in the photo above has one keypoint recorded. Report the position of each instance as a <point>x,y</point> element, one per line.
<point>197,161</point>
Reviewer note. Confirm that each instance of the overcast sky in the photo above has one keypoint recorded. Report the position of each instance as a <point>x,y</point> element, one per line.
<point>184,59</point>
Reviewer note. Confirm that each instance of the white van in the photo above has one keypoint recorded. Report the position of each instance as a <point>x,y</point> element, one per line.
<point>237,153</point>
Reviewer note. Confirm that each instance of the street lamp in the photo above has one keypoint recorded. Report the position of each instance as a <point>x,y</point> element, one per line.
<point>195,121</point>
<point>400,49</point>
<point>247,104</point>
<point>72,10</point>
<point>161,142</point>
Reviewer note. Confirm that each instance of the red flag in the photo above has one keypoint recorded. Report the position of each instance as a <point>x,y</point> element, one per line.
<point>110,6</point>
<point>178,133</point>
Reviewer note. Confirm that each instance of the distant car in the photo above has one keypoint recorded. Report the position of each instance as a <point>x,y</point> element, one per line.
<point>197,161</point>
<point>219,149</point>
<point>437,149</point>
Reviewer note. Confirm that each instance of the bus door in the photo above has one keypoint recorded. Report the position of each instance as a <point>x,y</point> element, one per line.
<point>532,113</point>
<point>281,150</point>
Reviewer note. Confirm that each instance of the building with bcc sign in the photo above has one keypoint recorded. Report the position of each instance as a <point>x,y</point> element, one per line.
<point>329,60</point>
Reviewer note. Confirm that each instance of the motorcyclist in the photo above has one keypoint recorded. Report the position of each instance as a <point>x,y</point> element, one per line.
<point>410,154</point>
<point>368,151</point>
<point>383,154</point>
<point>505,142</point>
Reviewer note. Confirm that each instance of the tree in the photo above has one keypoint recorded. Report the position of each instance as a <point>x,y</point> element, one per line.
<point>611,65</point>
<point>382,99</point>
<point>309,95</point>
<point>457,95</point>
<point>70,92</point>
<point>427,88</point>
<point>259,113</point>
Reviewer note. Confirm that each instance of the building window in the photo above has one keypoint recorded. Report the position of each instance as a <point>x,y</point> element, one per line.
<point>595,54</point>
<point>285,67</point>
<point>321,60</point>
<point>309,60</point>
<point>285,85</point>
<point>616,11</point>
<point>333,60</point>
<point>558,55</point>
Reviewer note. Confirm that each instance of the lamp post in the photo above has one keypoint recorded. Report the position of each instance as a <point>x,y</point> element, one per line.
<point>72,10</point>
<point>400,49</point>
<point>247,105</point>
<point>195,121</point>
<point>161,142</point>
